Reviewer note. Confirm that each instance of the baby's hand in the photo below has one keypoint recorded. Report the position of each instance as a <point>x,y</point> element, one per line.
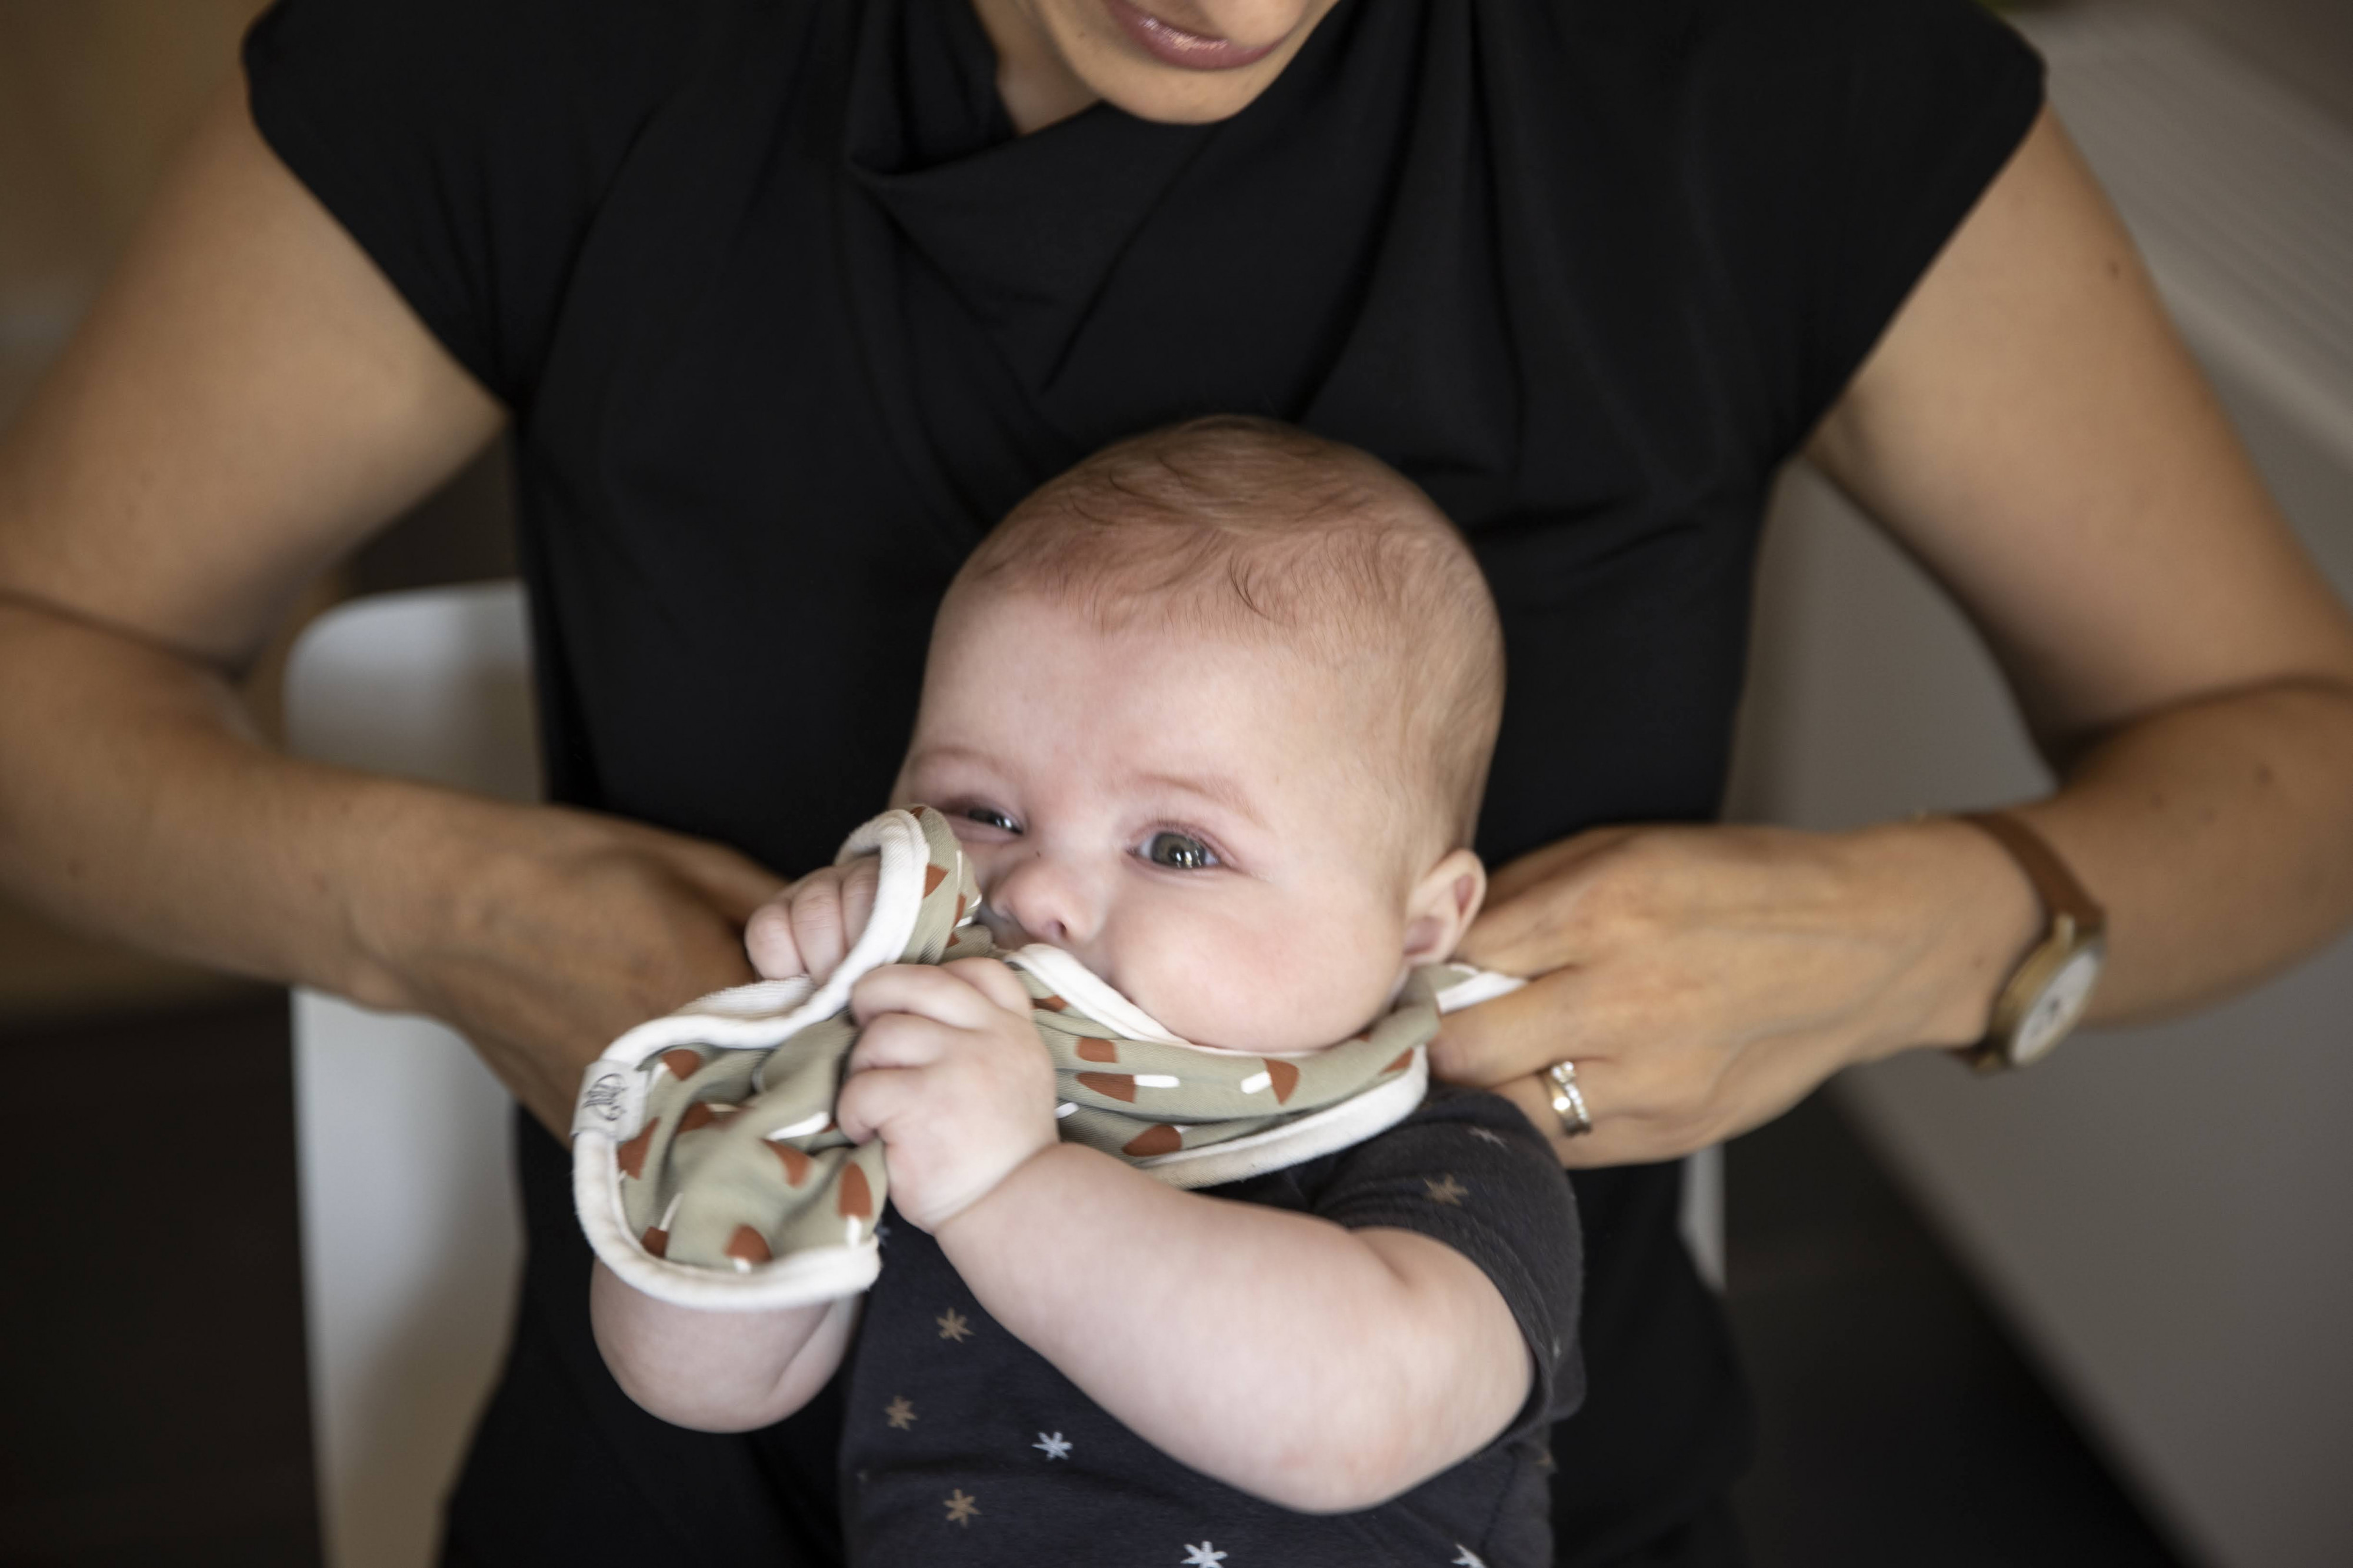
<point>809,928</point>
<point>951,1075</point>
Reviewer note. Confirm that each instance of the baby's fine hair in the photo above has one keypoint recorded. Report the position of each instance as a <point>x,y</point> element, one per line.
<point>1237,526</point>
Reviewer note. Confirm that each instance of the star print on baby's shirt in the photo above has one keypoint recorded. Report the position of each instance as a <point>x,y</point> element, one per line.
<point>900,1413</point>
<point>960,1506</point>
<point>1054,1447</point>
<point>1488,1135</point>
<point>1446,1190</point>
<point>1468,1558</point>
<point>1202,1556</point>
<point>953,1325</point>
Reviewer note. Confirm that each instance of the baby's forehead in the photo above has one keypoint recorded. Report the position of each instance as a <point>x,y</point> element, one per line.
<point>1321,670</point>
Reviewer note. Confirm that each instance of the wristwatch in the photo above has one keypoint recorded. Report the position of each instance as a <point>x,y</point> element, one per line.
<point>2053,983</point>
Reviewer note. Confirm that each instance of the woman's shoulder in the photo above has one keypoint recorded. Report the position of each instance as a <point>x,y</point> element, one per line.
<point>466,144</point>
<point>1802,161</point>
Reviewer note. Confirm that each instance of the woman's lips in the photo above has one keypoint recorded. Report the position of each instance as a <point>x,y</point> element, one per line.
<point>1176,47</point>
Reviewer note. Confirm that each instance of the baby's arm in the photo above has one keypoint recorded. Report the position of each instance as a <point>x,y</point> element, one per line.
<point>716,1372</point>
<point>1320,1368</point>
<point>730,1371</point>
<point>1323,1369</point>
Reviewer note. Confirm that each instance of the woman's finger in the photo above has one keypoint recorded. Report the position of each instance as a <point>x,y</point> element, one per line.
<point>1619,1135</point>
<point>1539,866</point>
<point>1578,902</point>
<point>1569,1012</point>
<point>1505,1039</point>
<point>1545,926</point>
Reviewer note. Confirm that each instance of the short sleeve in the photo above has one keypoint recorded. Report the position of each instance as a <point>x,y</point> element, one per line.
<point>1838,144</point>
<point>465,144</point>
<point>1467,1170</point>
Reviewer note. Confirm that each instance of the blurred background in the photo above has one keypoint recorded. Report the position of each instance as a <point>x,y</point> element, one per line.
<point>2092,1314</point>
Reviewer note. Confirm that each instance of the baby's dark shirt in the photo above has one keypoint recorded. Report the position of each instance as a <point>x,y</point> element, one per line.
<point>963,1445</point>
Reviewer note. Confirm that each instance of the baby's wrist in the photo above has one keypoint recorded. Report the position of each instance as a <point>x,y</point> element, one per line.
<point>1003,1210</point>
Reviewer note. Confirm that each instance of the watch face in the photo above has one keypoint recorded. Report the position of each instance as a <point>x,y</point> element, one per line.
<point>2055,1011</point>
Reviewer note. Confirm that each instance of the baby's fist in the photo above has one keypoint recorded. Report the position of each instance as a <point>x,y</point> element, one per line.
<point>949,1072</point>
<point>809,928</point>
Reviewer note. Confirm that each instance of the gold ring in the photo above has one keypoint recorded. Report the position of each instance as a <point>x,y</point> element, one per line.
<point>1568,1100</point>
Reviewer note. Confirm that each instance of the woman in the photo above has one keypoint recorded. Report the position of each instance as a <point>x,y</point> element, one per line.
<point>785,301</point>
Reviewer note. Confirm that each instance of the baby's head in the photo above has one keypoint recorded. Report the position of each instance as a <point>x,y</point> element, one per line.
<point>1212,710</point>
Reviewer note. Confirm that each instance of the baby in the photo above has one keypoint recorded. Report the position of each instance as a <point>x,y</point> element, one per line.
<point>1210,712</point>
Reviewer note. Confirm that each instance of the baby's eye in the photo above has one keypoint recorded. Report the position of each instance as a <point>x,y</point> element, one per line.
<point>1179,852</point>
<point>989,816</point>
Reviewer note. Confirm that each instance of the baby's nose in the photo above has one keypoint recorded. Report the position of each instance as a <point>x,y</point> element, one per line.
<point>1004,930</point>
<point>1035,899</point>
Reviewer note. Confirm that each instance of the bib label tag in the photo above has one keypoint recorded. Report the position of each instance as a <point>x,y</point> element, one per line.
<point>612,1102</point>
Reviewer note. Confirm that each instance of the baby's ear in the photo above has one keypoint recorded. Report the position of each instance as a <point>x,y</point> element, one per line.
<point>1442,905</point>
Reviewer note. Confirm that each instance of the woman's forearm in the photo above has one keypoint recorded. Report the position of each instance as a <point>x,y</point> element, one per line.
<point>136,801</point>
<point>1705,979</point>
<point>133,801</point>
<point>1320,1368</point>
<point>2218,835</point>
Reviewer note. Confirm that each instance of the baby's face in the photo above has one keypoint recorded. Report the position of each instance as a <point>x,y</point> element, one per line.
<point>1196,820</point>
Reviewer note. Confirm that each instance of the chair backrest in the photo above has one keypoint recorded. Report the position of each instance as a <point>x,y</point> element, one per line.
<point>411,1235</point>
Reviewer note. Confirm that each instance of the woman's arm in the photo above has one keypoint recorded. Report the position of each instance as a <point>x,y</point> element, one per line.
<point>2032,430</point>
<point>248,399</point>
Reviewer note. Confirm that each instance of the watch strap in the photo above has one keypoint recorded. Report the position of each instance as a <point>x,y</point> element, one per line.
<point>2061,893</point>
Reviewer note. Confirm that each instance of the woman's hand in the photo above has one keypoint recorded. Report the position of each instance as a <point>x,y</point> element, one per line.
<point>1705,979</point>
<point>541,933</point>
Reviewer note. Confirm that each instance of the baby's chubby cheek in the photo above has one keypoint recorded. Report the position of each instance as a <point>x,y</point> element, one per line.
<point>1269,990</point>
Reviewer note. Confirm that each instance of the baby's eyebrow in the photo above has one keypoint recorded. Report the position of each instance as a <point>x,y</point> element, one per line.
<point>948,754</point>
<point>1216,788</point>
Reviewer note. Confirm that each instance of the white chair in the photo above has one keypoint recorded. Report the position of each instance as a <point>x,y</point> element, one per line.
<point>411,1235</point>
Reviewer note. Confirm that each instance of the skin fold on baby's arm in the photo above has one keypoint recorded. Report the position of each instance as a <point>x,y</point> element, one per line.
<point>1320,1368</point>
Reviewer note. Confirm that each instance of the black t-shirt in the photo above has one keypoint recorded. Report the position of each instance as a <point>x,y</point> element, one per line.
<point>963,1445</point>
<point>788,318</point>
